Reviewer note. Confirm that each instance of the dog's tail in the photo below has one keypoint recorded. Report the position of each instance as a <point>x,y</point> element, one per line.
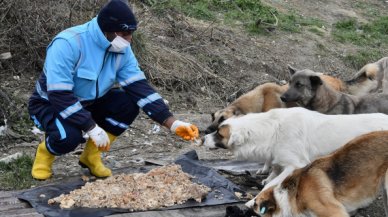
<point>385,192</point>
<point>369,71</point>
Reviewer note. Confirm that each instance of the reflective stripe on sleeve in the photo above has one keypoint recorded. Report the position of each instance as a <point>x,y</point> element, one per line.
<point>133,79</point>
<point>60,86</point>
<point>151,98</point>
<point>70,110</point>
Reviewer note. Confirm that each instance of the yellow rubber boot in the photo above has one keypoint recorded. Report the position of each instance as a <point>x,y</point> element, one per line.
<point>91,159</point>
<point>111,137</point>
<point>41,169</point>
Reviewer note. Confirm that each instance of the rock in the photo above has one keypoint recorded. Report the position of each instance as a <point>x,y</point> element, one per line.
<point>3,130</point>
<point>11,158</point>
<point>6,55</point>
<point>36,131</point>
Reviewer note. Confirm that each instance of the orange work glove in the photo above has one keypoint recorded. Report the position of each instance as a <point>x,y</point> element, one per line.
<point>104,148</point>
<point>185,130</point>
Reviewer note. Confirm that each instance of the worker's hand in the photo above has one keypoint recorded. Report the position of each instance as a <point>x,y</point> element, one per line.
<point>185,130</point>
<point>99,137</point>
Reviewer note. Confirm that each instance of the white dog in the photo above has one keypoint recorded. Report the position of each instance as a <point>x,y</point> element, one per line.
<point>287,139</point>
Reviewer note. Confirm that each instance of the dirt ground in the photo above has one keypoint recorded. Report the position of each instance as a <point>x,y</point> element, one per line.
<point>198,67</point>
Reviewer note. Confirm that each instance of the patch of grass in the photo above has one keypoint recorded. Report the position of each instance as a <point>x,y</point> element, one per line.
<point>367,36</point>
<point>349,31</point>
<point>293,22</point>
<point>253,14</point>
<point>199,9</point>
<point>378,28</point>
<point>372,34</point>
<point>16,174</point>
<point>359,59</point>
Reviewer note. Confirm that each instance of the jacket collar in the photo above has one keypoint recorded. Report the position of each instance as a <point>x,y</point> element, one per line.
<point>97,35</point>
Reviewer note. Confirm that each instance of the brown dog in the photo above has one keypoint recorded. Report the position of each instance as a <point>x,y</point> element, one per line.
<point>261,99</point>
<point>334,185</point>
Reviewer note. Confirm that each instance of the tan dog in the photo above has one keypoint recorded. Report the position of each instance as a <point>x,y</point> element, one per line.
<point>261,99</point>
<point>334,185</point>
<point>370,78</point>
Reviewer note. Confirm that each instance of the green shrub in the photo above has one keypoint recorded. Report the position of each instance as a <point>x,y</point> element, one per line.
<point>255,16</point>
<point>372,34</point>
<point>359,59</point>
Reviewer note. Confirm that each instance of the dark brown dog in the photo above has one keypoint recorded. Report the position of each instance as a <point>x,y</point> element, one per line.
<point>310,91</point>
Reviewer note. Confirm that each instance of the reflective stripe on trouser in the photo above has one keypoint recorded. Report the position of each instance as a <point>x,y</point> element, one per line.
<point>61,137</point>
<point>114,112</point>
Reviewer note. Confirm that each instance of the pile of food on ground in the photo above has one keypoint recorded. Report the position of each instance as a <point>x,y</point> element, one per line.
<point>161,187</point>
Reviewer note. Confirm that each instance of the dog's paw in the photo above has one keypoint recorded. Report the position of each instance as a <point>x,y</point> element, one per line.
<point>262,171</point>
<point>265,181</point>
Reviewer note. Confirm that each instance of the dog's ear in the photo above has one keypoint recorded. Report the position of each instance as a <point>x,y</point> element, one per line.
<point>315,81</point>
<point>213,117</point>
<point>291,183</point>
<point>291,70</point>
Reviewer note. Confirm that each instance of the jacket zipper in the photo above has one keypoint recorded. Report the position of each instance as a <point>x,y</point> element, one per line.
<point>102,67</point>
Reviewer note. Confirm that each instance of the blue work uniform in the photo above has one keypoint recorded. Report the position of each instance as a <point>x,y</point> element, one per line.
<point>75,90</point>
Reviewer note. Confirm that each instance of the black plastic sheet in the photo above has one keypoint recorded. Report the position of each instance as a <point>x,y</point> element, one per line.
<point>223,191</point>
<point>234,167</point>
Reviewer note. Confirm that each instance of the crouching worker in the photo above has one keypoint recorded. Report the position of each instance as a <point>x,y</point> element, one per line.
<point>74,94</point>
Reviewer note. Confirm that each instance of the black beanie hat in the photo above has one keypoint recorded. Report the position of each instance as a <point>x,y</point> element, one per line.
<point>116,16</point>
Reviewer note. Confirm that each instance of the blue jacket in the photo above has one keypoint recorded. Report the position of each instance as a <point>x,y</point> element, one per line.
<point>79,68</point>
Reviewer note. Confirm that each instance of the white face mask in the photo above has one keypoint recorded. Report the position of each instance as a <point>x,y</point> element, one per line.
<point>119,44</point>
